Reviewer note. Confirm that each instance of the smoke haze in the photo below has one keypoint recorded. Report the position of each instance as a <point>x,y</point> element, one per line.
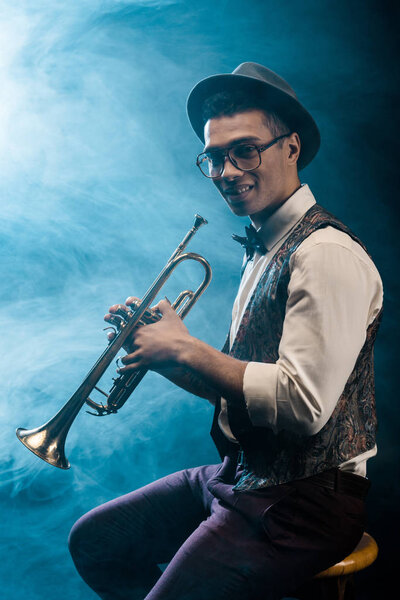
<point>98,186</point>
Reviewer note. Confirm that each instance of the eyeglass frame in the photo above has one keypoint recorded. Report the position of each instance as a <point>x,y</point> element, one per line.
<point>225,155</point>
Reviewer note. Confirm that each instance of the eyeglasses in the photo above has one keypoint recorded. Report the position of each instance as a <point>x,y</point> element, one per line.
<point>246,157</point>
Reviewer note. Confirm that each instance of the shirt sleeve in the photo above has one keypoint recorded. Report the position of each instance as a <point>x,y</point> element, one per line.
<point>334,293</point>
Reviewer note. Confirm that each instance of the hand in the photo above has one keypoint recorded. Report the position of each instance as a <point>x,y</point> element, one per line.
<point>168,347</point>
<point>115,316</point>
<point>156,345</point>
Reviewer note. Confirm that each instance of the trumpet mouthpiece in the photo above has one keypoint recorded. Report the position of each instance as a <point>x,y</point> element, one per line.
<point>199,221</point>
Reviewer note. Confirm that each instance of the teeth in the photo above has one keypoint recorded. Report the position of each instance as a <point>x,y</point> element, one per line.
<point>243,189</point>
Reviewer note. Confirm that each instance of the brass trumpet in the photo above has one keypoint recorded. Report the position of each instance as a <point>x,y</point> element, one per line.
<point>48,441</point>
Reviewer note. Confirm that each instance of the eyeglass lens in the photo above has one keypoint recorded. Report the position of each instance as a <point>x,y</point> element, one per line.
<point>243,156</point>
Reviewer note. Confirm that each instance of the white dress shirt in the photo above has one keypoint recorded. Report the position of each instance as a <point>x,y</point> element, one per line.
<point>334,293</point>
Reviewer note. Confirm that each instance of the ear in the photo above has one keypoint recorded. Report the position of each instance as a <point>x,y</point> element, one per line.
<point>294,147</point>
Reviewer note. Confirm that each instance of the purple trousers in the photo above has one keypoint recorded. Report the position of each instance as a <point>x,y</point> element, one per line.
<point>219,544</point>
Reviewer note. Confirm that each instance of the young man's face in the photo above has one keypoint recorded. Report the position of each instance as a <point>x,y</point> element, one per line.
<point>254,193</point>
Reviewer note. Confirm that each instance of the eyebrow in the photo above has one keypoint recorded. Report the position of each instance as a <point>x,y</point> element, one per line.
<point>233,143</point>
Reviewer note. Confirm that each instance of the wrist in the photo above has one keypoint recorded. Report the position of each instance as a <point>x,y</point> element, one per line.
<point>185,351</point>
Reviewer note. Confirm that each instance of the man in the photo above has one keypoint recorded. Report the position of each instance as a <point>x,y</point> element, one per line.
<point>293,388</point>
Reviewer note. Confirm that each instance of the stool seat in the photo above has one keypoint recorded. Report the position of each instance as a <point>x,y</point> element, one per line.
<point>337,582</point>
<point>362,556</point>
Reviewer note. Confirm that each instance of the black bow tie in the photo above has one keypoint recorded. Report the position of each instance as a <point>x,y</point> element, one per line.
<point>252,242</point>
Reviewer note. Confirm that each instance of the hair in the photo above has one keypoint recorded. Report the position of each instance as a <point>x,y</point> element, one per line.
<point>225,104</point>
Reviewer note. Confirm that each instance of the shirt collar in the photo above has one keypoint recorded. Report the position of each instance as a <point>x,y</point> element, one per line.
<point>286,216</point>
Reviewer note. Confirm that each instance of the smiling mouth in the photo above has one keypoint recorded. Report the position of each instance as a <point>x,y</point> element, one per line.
<point>238,191</point>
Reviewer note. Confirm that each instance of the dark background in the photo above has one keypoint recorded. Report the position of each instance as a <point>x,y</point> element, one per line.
<point>98,186</point>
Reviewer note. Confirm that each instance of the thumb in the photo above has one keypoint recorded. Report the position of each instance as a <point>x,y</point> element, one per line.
<point>165,308</point>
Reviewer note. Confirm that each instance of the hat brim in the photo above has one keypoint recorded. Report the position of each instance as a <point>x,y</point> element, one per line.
<point>283,104</point>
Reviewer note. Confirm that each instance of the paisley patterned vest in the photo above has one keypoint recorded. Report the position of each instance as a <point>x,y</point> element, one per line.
<point>269,458</point>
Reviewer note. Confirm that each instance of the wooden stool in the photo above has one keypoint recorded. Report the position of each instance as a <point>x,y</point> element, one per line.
<point>336,583</point>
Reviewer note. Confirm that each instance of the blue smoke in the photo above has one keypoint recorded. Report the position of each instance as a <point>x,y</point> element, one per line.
<point>98,186</point>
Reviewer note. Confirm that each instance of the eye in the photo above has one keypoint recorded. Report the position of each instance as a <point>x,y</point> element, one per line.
<point>215,158</point>
<point>245,151</point>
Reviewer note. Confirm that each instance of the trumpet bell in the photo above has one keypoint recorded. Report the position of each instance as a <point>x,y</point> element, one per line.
<point>42,442</point>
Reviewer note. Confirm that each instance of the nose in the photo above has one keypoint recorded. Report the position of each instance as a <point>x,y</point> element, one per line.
<point>230,170</point>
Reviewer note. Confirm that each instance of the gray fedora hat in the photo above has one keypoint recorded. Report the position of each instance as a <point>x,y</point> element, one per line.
<point>265,86</point>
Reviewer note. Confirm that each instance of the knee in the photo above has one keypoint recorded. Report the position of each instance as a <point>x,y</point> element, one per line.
<point>86,550</point>
<point>81,541</point>
<point>74,541</point>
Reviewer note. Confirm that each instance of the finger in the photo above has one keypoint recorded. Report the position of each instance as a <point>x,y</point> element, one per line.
<point>132,358</point>
<point>119,309</point>
<point>115,320</point>
<point>129,346</point>
<point>132,300</point>
<point>116,309</point>
<point>130,362</point>
<point>164,307</point>
<point>111,335</point>
<point>130,368</point>
<point>135,302</point>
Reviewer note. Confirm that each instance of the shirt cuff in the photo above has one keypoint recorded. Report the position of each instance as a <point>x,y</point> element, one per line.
<point>259,389</point>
